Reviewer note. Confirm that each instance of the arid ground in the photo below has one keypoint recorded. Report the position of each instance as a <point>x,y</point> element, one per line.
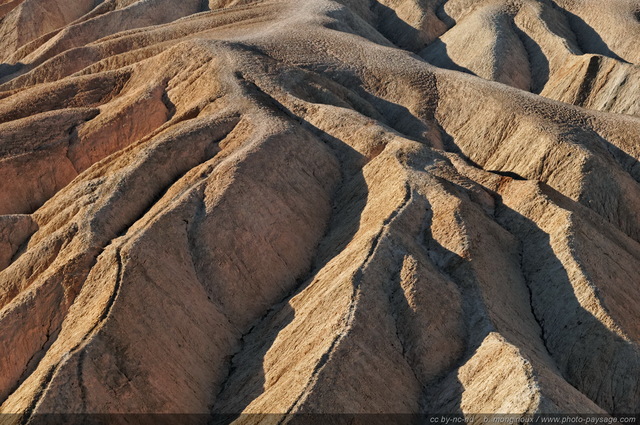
<point>319,206</point>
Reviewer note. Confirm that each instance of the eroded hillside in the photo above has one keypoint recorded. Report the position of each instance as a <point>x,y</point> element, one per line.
<point>355,206</point>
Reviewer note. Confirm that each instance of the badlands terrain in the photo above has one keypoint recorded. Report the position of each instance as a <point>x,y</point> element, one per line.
<point>319,206</point>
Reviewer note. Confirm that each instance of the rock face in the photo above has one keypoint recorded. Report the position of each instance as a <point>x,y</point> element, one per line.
<point>319,206</point>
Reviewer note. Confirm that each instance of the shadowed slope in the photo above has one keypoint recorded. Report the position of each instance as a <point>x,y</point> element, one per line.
<point>272,207</point>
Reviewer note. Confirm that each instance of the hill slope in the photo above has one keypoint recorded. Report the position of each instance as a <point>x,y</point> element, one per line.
<point>388,206</point>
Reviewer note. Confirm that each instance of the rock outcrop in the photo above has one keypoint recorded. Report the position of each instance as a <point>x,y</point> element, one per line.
<point>319,206</point>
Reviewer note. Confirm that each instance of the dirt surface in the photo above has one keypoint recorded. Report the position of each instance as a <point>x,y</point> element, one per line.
<point>319,206</point>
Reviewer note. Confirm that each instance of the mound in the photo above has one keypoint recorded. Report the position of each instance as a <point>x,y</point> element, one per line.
<point>319,206</point>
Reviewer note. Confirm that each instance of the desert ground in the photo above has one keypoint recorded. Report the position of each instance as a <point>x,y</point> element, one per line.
<point>319,206</point>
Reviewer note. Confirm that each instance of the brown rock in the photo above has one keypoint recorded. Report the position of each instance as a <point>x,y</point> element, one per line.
<point>268,206</point>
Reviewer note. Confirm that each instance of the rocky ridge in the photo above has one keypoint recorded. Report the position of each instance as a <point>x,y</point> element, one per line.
<point>319,206</point>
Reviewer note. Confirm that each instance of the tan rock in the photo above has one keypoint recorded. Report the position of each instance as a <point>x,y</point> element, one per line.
<point>283,207</point>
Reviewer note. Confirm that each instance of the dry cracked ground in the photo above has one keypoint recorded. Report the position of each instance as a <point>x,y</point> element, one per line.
<point>319,206</point>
